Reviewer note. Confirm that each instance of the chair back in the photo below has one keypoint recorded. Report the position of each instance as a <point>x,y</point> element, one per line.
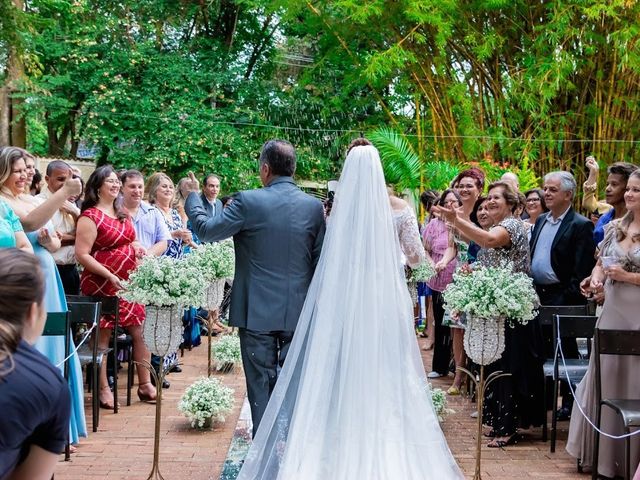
<point>573,326</point>
<point>613,342</point>
<point>84,312</point>
<point>546,312</point>
<point>57,324</point>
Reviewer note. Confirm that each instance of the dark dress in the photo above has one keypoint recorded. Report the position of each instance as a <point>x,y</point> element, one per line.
<point>514,402</point>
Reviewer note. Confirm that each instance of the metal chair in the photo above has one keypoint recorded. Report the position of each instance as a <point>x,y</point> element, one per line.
<point>568,327</point>
<point>89,313</point>
<point>57,325</point>
<point>110,306</point>
<point>616,342</point>
<point>545,319</point>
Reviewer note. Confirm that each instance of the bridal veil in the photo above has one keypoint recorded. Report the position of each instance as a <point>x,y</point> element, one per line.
<point>351,401</point>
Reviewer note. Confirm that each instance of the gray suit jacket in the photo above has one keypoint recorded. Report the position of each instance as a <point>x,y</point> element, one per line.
<point>278,232</point>
<point>211,211</point>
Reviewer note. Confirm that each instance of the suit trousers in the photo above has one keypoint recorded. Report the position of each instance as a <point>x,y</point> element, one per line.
<point>263,354</point>
<point>442,337</point>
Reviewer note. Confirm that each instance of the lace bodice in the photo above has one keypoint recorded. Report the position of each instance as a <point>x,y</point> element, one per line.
<point>629,260</point>
<point>406,226</point>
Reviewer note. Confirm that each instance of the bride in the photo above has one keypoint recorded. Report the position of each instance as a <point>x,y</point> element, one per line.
<point>352,399</point>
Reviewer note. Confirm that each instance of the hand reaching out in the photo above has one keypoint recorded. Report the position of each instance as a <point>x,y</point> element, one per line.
<point>192,185</point>
<point>44,237</point>
<point>591,163</point>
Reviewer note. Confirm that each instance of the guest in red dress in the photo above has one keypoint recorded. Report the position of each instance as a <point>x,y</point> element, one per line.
<point>106,248</point>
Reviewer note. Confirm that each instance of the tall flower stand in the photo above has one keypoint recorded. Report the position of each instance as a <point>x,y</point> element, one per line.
<point>162,334</point>
<point>215,296</point>
<point>484,344</point>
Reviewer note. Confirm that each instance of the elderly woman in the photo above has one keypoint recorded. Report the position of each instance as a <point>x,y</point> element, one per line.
<point>512,402</point>
<point>106,248</point>
<point>34,397</point>
<point>35,216</point>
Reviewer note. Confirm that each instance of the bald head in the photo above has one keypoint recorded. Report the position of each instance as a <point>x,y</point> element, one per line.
<point>511,179</point>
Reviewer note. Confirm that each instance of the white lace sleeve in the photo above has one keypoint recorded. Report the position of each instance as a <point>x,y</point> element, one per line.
<point>409,236</point>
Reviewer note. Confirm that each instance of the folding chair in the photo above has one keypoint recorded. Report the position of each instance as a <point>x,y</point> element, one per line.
<point>568,327</point>
<point>616,342</point>
<point>89,313</point>
<point>545,319</point>
<point>57,325</point>
<point>110,306</point>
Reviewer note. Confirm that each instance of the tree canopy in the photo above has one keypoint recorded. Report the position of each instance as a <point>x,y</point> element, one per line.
<point>439,84</point>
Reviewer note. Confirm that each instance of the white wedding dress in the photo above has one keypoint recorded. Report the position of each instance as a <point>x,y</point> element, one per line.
<point>352,401</point>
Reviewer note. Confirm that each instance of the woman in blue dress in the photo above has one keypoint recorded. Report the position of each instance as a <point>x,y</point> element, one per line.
<point>35,219</point>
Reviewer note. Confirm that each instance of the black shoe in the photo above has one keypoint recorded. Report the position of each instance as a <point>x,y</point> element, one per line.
<point>165,383</point>
<point>563,414</point>
<point>176,369</point>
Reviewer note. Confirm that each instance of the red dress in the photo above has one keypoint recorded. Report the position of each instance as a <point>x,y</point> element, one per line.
<point>112,249</point>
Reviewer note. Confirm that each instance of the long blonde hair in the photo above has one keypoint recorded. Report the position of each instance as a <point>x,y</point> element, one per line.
<point>153,183</point>
<point>622,227</point>
<point>8,157</point>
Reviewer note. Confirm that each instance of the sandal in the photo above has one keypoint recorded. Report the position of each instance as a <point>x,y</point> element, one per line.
<point>145,397</point>
<point>453,390</point>
<point>109,405</point>
<point>496,443</point>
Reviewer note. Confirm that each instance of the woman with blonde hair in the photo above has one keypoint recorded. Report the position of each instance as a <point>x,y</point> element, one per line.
<point>35,216</point>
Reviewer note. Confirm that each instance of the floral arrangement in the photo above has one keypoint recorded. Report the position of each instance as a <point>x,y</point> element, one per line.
<point>205,400</point>
<point>226,351</point>
<point>492,292</point>
<point>165,281</point>
<point>423,272</point>
<point>439,401</point>
<point>213,261</point>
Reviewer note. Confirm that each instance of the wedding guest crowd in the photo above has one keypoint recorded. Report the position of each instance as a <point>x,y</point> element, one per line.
<point>87,240</point>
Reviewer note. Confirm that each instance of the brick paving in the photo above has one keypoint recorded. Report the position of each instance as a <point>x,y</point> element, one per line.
<point>123,446</point>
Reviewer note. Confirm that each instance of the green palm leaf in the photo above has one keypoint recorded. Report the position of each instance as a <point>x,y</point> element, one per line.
<point>400,162</point>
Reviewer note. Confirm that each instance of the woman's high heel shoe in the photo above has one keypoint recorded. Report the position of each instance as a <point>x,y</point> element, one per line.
<point>145,397</point>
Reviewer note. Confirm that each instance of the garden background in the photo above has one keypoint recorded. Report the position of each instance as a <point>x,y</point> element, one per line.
<point>178,85</point>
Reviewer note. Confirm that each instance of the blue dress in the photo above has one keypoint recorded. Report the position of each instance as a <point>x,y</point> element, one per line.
<point>52,347</point>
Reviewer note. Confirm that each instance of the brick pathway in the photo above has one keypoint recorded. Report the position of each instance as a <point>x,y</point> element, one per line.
<point>123,446</point>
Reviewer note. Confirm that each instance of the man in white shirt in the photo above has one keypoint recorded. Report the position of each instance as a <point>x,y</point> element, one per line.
<point>64,222</point>
<point>209,197</point>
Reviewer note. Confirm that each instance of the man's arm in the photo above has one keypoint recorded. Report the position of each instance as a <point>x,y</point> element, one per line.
<point>214,229</point>
<point>317,246</point>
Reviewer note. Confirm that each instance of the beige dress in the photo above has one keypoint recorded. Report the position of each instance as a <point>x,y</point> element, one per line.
<point>620,377</point>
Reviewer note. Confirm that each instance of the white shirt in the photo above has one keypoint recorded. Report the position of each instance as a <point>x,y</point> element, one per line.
<point>63,222</point>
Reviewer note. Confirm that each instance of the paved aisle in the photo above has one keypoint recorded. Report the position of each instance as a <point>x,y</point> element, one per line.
<point>123,446</point>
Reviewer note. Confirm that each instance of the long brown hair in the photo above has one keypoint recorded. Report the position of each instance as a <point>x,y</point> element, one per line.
<point>95,182</point>
<point>21,284</point>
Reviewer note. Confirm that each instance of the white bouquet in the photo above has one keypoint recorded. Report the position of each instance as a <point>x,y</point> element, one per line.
<point>213,261</point>
<point>165,281</point>
<point>423,272</point>
<point>206,400</point>
<point>439,401</point>
<point>493,292</point>
<point>226,352</point>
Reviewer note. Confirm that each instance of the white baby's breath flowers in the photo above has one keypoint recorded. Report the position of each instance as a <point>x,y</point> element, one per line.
<point>165,281</point>
<point>492,292</point>
<point>206,398</point>
<point>213,261</point>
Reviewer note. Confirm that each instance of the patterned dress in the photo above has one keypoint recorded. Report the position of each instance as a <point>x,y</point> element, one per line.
<point>514,402</point>
<point>113,249</point>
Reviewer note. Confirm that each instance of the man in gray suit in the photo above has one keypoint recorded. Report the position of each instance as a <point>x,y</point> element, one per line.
<point>209,197</point>
<point>278,232</point>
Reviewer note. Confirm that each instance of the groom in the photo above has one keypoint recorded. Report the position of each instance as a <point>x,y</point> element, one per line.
<point>278,232</point>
